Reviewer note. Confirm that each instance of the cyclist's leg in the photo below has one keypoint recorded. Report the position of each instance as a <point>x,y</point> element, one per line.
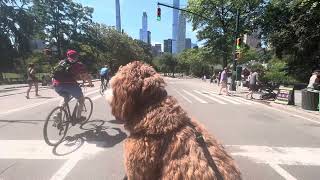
<point>107,79</point>
<point>60,89</point>
<point>102,79</point>
<point>75,91</point>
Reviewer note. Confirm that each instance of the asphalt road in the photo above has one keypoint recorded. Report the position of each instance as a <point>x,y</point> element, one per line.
<point>267,143</point>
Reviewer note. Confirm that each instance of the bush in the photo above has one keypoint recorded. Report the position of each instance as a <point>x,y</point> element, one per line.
<point>277,73</point>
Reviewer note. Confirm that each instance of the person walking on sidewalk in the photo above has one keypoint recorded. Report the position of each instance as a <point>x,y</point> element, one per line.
<point>253,84</point>
<point>32,79</point>
<point>224,81</point>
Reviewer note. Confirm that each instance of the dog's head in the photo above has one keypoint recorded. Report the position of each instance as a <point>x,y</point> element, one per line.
<point>135,87</point>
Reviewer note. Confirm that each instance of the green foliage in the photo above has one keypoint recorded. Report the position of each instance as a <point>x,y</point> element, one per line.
<point>291,28</point>
<point>166,63</point>
<point>277,73</point>
<point>218,26</point>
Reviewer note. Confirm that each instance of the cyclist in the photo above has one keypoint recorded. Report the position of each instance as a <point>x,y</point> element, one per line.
<point>66,84</point>
<point>104,74</point>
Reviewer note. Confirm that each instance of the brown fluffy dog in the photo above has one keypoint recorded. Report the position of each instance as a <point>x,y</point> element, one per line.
<point>162,143</point>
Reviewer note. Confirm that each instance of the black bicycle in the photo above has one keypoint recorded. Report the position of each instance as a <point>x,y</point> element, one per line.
<point>57,123</point>
<point>104,86</point>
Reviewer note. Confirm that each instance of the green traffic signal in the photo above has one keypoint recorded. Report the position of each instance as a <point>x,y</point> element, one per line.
<point>158,18</point>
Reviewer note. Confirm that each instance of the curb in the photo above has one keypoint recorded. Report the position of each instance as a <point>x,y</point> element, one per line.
<point>314,114</point>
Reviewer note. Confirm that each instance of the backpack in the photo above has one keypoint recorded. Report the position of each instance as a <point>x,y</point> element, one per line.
<point>62,70</point>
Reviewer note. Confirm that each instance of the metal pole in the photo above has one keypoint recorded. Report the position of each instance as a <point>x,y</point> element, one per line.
<point>233,84</point>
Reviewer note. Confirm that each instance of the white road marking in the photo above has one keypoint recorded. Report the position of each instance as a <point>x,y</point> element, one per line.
<point>96,97</point>
<point>240,100</point>
<point>195,97</point>
<point>183,96</point>
<point>273,156</point>
<point>222,97</point>
<point>205,95</point>
<point>38,149</point>
<point>38,104</point>
<point>279,155</point>
<point>282,172</point>
<point>276,156</point>
<point>66,168</point>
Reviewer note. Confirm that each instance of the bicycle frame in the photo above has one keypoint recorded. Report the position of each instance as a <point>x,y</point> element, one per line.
<point>69,115</point>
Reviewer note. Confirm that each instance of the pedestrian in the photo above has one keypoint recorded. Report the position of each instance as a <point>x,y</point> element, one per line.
<point>32,79</point>
<point>314,80</point>
<point>224,81</point>
<point>218,78</point>
<point>253,83</point>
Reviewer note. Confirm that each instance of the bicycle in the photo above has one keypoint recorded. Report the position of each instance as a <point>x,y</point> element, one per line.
<point>103,86</point>
<point>62,125</point>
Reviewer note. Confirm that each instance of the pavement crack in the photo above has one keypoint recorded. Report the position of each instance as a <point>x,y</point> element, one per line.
<point>3,171</point>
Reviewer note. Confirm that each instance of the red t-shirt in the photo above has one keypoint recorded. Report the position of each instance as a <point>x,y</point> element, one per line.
<point>76,69</point>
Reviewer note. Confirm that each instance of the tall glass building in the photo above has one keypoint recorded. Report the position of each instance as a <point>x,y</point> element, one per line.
<point>118,16</point>
<point>175,26</point>
<point>145,35</point>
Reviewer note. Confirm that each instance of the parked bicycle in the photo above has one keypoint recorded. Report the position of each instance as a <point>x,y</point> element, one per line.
<point>60,127</point>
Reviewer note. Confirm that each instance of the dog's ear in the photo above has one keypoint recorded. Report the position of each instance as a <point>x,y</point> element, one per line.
<point>153,88</point>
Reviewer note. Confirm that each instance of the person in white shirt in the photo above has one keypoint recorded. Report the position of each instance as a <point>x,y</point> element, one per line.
<point>314,79</point>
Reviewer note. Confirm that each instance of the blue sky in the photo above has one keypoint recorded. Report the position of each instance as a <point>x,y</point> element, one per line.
<point>131,17</point>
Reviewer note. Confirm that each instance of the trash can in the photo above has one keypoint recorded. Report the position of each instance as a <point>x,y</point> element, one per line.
<point>310,100</point>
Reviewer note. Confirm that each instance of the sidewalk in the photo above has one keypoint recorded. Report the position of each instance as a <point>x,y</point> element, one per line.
<point>288,108</point>
<point>241,92</point>
<point>12,89</point>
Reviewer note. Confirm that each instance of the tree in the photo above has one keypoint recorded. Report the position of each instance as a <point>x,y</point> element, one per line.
<point>16,29</point>
<point>218,26</point>
<point>196,62</point>
<point>61,22</point>
<point>290,28</point>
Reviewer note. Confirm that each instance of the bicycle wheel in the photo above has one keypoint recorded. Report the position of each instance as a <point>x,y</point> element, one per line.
<point>102,89</point>
<point>87,109</point>
<point>56,126</point>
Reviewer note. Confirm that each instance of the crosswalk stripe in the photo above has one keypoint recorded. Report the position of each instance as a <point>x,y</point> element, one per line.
<point>183,96</point>
<point>195,97</point>
<point>222,97</point>
<point>239,100</point>
<point>205,95</point>
<point>245,100</point>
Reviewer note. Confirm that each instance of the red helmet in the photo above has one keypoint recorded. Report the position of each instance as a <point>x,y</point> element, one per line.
<point>71,53</point>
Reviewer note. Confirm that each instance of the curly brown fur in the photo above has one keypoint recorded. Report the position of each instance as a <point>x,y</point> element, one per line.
<point>151,117</point>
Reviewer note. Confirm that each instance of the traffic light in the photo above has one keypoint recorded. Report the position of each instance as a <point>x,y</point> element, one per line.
<point>238,43</point>
<point>159,14</point>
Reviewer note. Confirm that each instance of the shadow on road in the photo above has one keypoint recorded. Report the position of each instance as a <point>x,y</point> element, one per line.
<point>115,122</point>
<point>8,122</point>
<point>95,133</point>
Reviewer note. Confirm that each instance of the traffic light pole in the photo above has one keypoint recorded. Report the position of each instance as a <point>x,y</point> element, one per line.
<point>184,10</point>
<point>235,57</point>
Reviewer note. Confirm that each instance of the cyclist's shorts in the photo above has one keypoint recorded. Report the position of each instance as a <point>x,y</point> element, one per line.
<point>65,90</point>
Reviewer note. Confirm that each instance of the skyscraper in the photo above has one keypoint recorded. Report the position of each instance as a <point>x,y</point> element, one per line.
<point>188,43</point>
<point>118,16</point>
<point>156,50</point>
<point>167,46</point>
<point>175,28</point>
<point>144,33</point>
<point>181,40</point>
